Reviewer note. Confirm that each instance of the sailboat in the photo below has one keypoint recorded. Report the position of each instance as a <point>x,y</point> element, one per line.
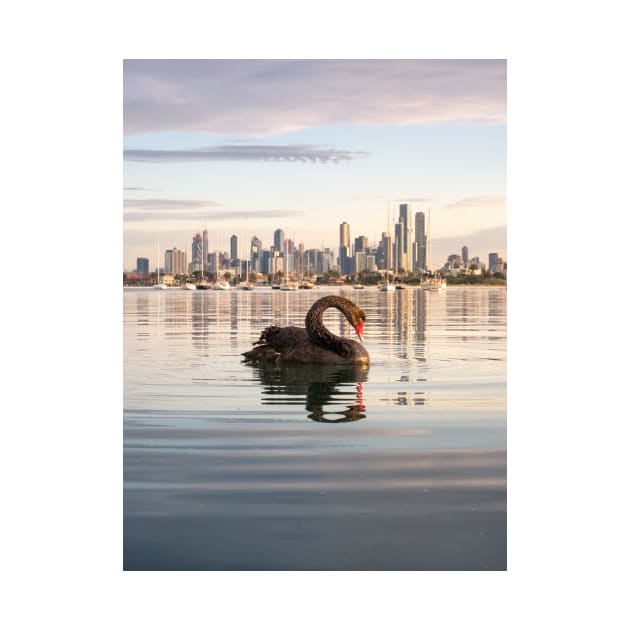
<point>158,285</point>
<point>386,286</point>
<point>247,286</point>
<point>434,284</point>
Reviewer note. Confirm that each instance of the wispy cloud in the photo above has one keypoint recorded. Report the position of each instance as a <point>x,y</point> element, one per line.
<point>416,200</point>
<point>481,201</point>
<point>258,97</point>
<point>211,215</point>
<point>169,204</point>
<point>244,153</point>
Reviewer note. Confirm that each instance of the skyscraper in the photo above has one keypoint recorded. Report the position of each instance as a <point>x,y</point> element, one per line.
<point>405,261</point>
<point>465,255</point>
<point>399,253</point>
<point>255,260</point>
<point>344,235</point>
<point>420,243</point>
<point>360,244</point>
<point>197,253</point>
<point>204,252</point>
<point>278,240</point>
<point>234,247</point>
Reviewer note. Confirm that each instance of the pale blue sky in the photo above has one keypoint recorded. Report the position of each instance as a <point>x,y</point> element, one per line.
<point>242,146</point>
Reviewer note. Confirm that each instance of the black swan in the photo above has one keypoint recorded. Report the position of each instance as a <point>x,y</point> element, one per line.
<point>315,343</point>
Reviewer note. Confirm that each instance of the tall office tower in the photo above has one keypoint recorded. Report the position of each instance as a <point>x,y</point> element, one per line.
<point>264,261</point>
<point>197,253</point>
<point>399,253</point>
<point>204,253</point>
<point>465,256</point>
<point>289,246</point>
<point>142,266</point>
<point>406,236</point>
<point>360,244</point>
<point>278,240</point>
<point>344,235</point>
<point>233,247</point>
<point>420,243</point>
<point>255,259</point>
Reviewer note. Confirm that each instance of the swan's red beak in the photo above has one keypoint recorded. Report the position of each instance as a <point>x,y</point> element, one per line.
<point>359,329</point>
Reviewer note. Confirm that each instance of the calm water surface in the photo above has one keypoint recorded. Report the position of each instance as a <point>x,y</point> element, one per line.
<point>401,466</point>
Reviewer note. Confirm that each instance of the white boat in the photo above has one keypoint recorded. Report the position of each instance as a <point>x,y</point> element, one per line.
<point>386,287</point>
<point>307,285</point>
<point>189,286</point>
<point>358,286</point>
<point>221,285</point>
<point>289,286</point>
<point>436,284</point>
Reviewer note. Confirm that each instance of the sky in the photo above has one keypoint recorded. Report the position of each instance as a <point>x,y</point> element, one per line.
<point>248,146</point>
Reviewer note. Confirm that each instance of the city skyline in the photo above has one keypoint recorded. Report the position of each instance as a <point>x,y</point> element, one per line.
<point>386,253</point>
<point>301,146</point>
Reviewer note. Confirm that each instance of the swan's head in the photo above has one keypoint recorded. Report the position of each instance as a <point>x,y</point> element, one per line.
<point>359,330</point>
<point>357,319</point>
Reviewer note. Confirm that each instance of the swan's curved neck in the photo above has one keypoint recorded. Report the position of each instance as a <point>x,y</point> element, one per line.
<point>317,332</point>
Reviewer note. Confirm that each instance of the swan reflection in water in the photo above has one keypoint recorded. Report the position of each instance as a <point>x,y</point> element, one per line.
<point>330,393</point>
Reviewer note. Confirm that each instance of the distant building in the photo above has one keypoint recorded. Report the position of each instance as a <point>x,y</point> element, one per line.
<point>255,255</point>
<point>204,250</point>
<point>495,263</point>
<point>384,252</point>
<point>360,244</point>
<point>465,255</point>
<point>234,247</point>
<point>399,252</point>
<point>175,261</point>
<point>405,260</point>
<point>142,266</point>
<point>345,260</point>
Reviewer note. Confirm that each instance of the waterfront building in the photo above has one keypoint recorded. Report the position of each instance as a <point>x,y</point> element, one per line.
<point>175,261</point>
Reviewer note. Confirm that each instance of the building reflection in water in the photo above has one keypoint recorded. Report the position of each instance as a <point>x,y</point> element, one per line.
<point>329,393</point>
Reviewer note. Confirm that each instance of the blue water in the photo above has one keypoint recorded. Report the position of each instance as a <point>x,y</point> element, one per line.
<point>228,466</point>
